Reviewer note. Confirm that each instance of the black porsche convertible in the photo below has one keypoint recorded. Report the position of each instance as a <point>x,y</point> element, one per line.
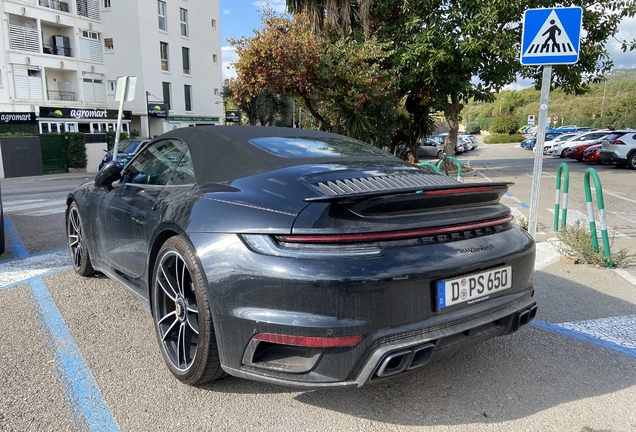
<point>301,257</point>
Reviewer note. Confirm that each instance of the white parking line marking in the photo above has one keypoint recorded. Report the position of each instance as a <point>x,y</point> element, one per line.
<point>18,206</point>
<point>575,215</point>
<point>546,254</point>
<point>22,269</point>
<point>618,330</point>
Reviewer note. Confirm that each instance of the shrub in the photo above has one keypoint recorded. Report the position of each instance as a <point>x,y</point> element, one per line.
<point>110,138</point>
<point>576,244</point>
<point>504,125</point>
<point>484,123</point>
<point>76,150</point>
<point>135,133</point>
<point>503,139</point>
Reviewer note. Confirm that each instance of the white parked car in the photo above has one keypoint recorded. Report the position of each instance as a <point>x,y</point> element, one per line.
<point>549,144</point>
<point>561,148</point>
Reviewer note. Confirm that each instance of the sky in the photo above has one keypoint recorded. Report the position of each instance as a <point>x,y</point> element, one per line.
<point>239,18</point>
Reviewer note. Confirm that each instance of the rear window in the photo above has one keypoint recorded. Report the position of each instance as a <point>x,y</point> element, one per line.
<point>316,147</point>
<point>614,136</point>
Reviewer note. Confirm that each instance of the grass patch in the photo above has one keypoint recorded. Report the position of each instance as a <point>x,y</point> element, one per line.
<point>576,244</point>
<point>503,139</point>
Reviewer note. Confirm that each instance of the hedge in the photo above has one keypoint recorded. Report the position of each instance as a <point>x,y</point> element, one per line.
<point>503,139</point>
<point>76,150</point>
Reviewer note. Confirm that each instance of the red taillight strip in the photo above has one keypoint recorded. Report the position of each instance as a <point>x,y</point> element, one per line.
<point>457,191</point>
<point>311,342</point>
<point>394,235</point>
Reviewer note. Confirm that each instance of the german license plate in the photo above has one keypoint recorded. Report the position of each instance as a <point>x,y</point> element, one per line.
<point>473,288</point>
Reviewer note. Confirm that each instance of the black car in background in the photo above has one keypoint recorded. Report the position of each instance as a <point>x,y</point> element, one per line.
<point>301,257</point>
<point>125,151</point>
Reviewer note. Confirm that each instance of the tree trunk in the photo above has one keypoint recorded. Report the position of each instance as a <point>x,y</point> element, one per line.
<point>451,113</point>
<point>314,113</point>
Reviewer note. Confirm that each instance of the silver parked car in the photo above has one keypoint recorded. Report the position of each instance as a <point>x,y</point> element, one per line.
<point>619,148</point>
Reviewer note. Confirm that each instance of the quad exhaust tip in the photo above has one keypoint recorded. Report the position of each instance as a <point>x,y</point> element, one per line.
<point>524,317</point>
<point>405,359</point>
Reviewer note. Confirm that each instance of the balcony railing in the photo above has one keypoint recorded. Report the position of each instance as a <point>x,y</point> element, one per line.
<point>61,95</point>
<point>56,4</point>
<point>57,50</point>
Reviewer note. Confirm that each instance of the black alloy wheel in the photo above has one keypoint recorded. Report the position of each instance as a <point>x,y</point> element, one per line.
<point>181,311</point>
<point>77,242</point>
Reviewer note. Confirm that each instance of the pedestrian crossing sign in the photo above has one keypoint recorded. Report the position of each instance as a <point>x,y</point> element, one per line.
<point>551,36</point>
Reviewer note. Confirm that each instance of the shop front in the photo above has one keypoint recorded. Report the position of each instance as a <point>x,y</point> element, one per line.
<point>60,120</point>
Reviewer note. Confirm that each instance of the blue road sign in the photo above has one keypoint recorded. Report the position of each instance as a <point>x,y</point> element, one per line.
<point>551,36</point>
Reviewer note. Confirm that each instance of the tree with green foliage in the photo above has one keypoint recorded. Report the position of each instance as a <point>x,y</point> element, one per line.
<point>344,82</point>
<point>504,125</point>
<point>469,49</point>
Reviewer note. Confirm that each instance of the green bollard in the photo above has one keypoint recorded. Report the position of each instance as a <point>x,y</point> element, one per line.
<point>563,168</point>
<point>428,165</point>
<point>454,159</point>
<point>591,172</point>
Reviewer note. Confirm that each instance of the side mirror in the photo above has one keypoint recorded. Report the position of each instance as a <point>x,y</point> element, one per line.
<point>110,173</point>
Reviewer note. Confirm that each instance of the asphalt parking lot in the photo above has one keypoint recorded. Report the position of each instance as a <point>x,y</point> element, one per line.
<point>80,354</point>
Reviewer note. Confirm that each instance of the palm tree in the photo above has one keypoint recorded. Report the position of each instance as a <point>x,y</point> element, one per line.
<point>337,12</point>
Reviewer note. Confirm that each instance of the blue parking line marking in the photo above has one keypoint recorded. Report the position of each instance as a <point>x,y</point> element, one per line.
<point>16,246</point>
<point>87,406</point>
<point>521,203</point>
<point>23,281</point>
<point>586,338</point>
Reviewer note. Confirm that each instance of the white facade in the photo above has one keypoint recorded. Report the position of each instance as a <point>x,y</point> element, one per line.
<point>64,56</point>
<point>136,35</point>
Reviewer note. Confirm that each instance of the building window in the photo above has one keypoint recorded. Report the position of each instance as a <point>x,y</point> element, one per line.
<point>213,23</point>
<point>88,8</point>
<point>187,92</point>
<point>163,47</point>
<point>184,22</point>
<point>27,81</point>
<point>112,86</point>
<point>161,10</point>
<point>106,4</point>
<point>166,93</point>
<point>216,92</point>
<point>185,52</point>
<point>108,44</point>
<point>91,46</point>
<point>94,88</point>
<point>214,58</point>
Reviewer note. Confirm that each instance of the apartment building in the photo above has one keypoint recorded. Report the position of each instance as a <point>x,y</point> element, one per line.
<point>62,59</point>
<point>173,47</point>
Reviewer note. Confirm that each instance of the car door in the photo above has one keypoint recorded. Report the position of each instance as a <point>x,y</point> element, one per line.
<point>427,149</point>
<point>124,225</point>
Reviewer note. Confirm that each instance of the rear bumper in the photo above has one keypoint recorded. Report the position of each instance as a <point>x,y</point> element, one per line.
<point>389,301</point>
<point>611,157</point>
<point>406,349</point>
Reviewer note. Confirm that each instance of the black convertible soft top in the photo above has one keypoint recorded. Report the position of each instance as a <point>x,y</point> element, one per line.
<point>222,154</point>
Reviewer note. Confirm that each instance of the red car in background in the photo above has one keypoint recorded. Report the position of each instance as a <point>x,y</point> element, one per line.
<point>592,153</point>
<point>576,152</point>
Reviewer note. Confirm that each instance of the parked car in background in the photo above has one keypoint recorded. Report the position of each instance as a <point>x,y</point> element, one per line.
<point>576,152</point>
<point>619,148</point>
<point>561,148</point>
<point>592,154</point>
<point>294,256</point>
<point>459,148</point>
<point>429,148</point>
<point>125,151</point>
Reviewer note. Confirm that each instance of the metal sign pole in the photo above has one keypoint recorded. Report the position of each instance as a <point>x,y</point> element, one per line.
<point>538,148</point>
<point>124,82</point>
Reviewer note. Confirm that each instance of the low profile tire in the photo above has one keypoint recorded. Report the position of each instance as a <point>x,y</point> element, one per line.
<point>181,312</point>
<point>631,161</point>
<point>76,238</point>
<point>563,153</point>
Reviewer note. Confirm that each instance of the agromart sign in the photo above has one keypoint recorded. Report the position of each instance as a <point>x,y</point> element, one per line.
<point>82,114</point>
